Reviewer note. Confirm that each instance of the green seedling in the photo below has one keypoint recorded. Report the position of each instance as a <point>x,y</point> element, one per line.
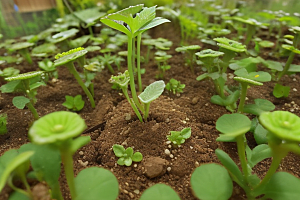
<point>74,103</point>
<point>251,27</point>
<point>122,81</point>
<point>175,86</point>
<point>10,59</point>
<point>49,69</point>
<point>9,71</point>
<point>158,43</point>
<point>26,83</point>
<point>68,59</point>
<point>126,156</point>
<point>161,59</point>
<point>190,51</point>
<point>44,50</point>
<point>260,106</point>
<point>90,71</point>
<point>159,191</point>
<point>79,42</point>
<point>62,38</point>
<point>249,79</point>
<point>133,21</point>
<point>3,122</point>
<point>62,131</point>
<point>179,137</point>
<point>106,60</point>
<point>22,48</point>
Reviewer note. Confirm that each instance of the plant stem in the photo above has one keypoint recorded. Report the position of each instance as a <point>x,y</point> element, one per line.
<point>287,66</point>
<point>55,191</point>
<point>25,53</point>
<point>130,70</point>
<point>250,33</point>
<point>81,83</point>
<point>67,160</point>
<point>33,110</point>
<point>241,152</point>
<point>242,97</point>
<point>146,109</point>
<point>138,114</point>
<point>10,183</point>
<point>139,38</point>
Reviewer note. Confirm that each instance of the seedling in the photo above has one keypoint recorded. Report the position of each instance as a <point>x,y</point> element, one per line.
<point>22,48</point>
<point>133,24</point>
<point>62,38</point>
<point>106,60</point>
<point>68,59</point>
<point>126,156</point>
<point>159,191</point>
<point>27,83</point>
<point>74,103</point>
<point>44,50</point>
<point>161,58</point>
<point>62,131</point>
<point>158,43</point>
<point>179,137</point>
<point>175,86</point>
<point>90,71</point>
<point>3,122</point>
<point>49,69</point>
<point>190,50</point>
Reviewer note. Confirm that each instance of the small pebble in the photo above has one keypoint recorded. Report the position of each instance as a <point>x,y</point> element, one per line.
<point>167,151</point>
<point>171,156</point>
<point>127,116</point>
<point>294,79</point>
<point>135,165</point>
<point>80,153</point>
<point>168,169</point>
<point>294,89</point>
<point>136,191</point>
<point>191,147</point>
<point>168,142</point>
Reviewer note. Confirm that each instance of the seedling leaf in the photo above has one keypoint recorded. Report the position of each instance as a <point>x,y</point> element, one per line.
<point>281,91</point>
<point>137,157</point>
<point>260,106</point>
<point>96,183</point>
<point>152,92</point>
<point>206,178</point>
<point>160,191</point>
<point>20,101</point>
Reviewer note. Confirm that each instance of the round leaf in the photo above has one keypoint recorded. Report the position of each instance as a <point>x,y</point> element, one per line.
<point>137,157</point>
<point>233,125</point>
<point>211,181</point>
<point>20,102</point>
<point>96,184</point>
<point>160,191</point>
<point>119,150</point>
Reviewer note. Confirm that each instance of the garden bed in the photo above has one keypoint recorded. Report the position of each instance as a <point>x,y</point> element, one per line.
<point>114,122</point>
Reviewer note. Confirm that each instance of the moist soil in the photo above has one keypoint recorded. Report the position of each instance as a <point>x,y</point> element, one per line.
<point>114,122</point>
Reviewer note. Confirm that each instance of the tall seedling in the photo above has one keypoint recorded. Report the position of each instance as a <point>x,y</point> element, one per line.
<point>133,21</point>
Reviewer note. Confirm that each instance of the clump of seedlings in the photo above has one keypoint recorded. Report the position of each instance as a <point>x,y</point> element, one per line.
<point>175,86</point>
<point>133,21</point>
<point>74,103</point>
<point>161,58</point>
<point>9,71</point>
<point>28,84</point>
<point>68,59</point>
<point>126,156</point>
<point>49,69</point>
<point>190,57</point>
<point>22,48</point>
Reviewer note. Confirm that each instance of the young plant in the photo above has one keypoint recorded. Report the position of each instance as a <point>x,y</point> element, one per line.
<point>62,38</point>
<point>49,69</point>
<point>161,59</point>
<point>26,83</point>
<point>190,57</point>
<point>133,21</point>
<point>3,122</point>
<point>159,191</point>
<point>22,48</point>
<point>62,131</point>
<point>175,86</point>
<point>90,71</point>
<point>9,71</point>
<point>44,50</point>
<point>68,59</point>
<point>74,103</point>
<point>158,43</point>
<point>126,156</point>
<point>106,60</point>
<point>179,137</point>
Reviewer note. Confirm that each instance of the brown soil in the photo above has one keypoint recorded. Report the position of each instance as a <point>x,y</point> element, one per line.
<point>109,124</point>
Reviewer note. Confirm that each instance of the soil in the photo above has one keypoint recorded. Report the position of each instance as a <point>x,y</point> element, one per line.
<point>114,122</point>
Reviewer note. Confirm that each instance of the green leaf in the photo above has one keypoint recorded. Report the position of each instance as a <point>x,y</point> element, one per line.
<point>128,161</point>
<point>281,91</point>
<point>119,150</point>
<point>260,106</point>
<point>259,153</point>
<point>69,103</point>
<point>282,186</point>
<point>186,133</point>
<point>116,25</point>
<point>96,184</point>
<point>202,77</point>
<point>142,18</point>
<point>155,22</point>
<point>232,168</point>
<point>45,161</point>
<point>152,92</point>
<point>159,191</point>
<point>121,161</point>
<point>233,125</point>
<point>260,134</point>
<point>78,102</point>
<point>273,65</point>
<point>129,151</point>
<point>137,157</point>
<point>206,178</point>
<point>10,86</point>
<point>36,85</point>
<point>18,196</point>
<point>20,101</point>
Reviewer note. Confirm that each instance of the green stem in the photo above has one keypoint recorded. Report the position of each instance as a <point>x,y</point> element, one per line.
<point>287,66</point>
<point>25,53</point>
<point>133,55</point>
<point>139,38</point>
<point>241,152</point>
<point>250,33</point>
<point>10,183</point>
<point>24,181</point>
<point>146,109</point>
<point>110,68</point>
<point>91,31</point>
<point>33,110</point>
<point>55,191</point>
<point>242,97</point>
<point>60,8</point>
<point>81,83</point>
<point>130,70</point>
<point>138,114</point>
<point>67,160</point>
